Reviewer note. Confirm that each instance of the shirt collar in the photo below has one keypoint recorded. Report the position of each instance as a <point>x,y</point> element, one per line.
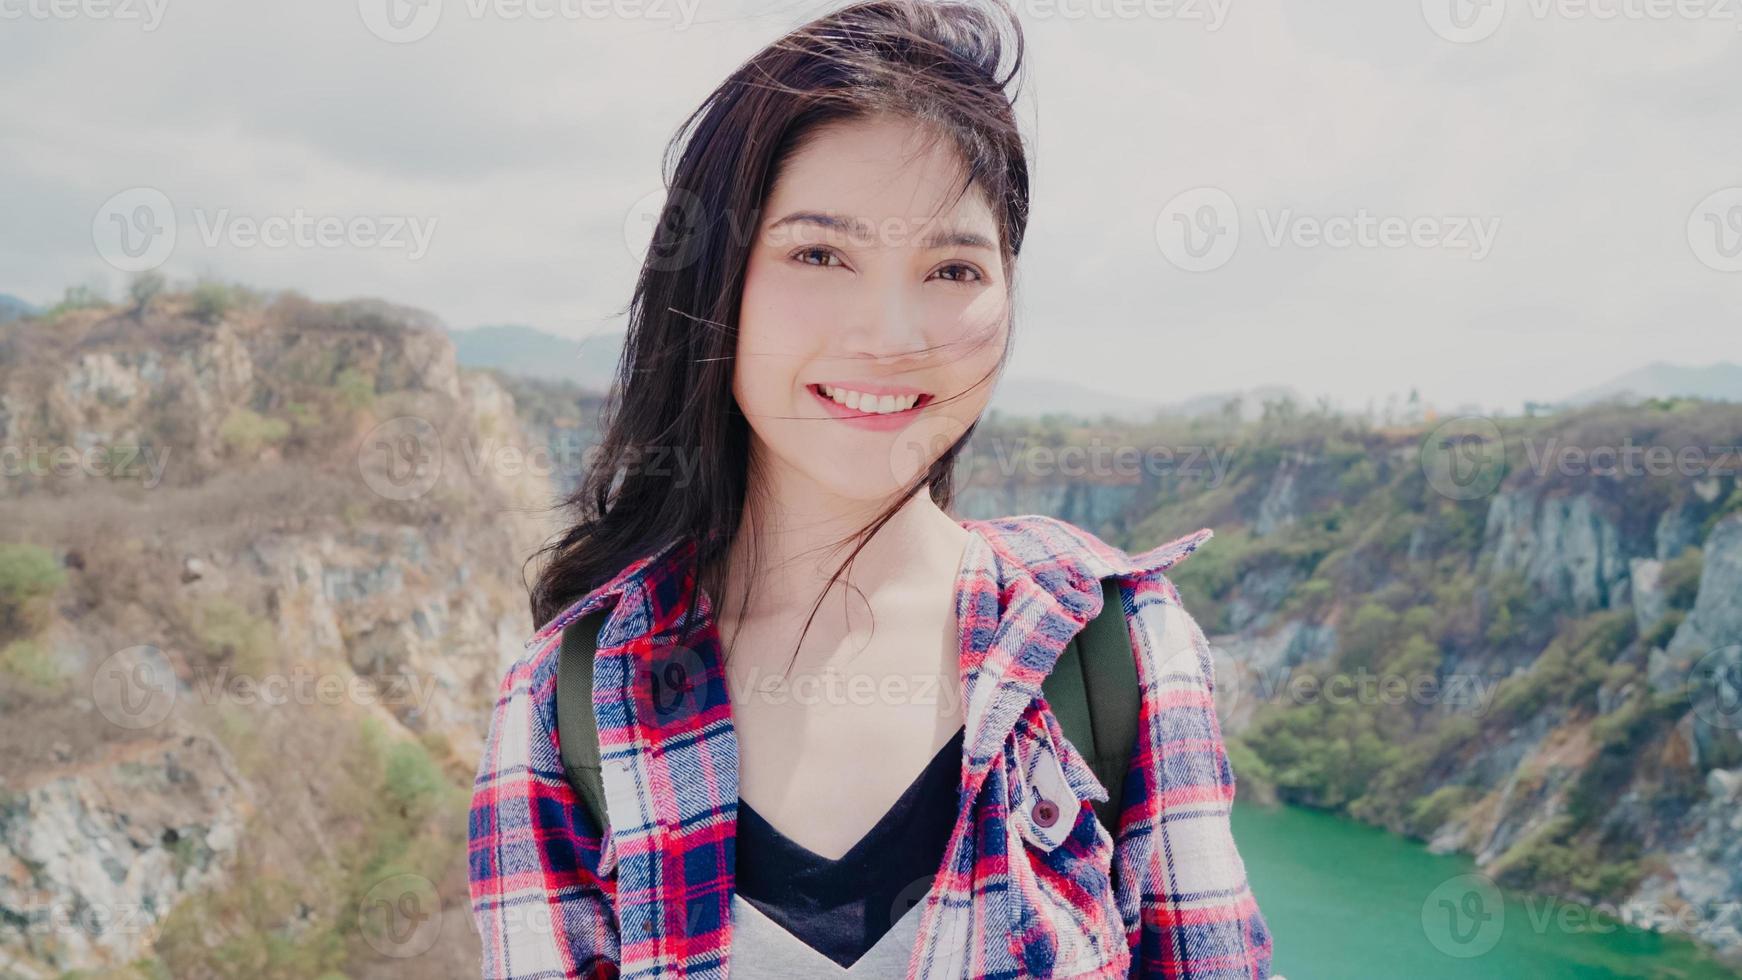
<point>1052,560</point>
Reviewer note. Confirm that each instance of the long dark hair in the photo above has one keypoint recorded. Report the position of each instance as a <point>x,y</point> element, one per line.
<point>937,63</point>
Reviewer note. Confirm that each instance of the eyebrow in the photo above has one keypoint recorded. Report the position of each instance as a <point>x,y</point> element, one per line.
<point>938,238</point>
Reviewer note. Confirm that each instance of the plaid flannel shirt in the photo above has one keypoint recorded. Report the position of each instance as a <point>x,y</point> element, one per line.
<point>554,895</point>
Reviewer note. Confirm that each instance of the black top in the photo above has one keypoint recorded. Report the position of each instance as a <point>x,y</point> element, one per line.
<point>840,908</point>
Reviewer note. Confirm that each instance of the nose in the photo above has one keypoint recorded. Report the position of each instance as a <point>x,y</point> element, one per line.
<point>893,329</point>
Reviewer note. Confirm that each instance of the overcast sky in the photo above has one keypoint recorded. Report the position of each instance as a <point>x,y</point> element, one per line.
<point>1556,196</point>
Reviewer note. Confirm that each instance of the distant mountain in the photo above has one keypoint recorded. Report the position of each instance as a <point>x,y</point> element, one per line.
<point>529,352</point>
<point>1717,382</point>
<point>1034,397</point>
<point>13,308</point>
<point>1251,401</point>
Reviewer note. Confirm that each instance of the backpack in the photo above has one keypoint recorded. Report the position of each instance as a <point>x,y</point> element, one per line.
<point>1092,692</point>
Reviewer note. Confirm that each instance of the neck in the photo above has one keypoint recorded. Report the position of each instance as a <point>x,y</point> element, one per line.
<point>794,543</point>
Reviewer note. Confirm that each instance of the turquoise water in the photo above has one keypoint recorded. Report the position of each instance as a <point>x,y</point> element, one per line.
<point>1344,900</point>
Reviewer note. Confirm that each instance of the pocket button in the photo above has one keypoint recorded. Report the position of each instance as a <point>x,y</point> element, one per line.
<point>1045,812</point>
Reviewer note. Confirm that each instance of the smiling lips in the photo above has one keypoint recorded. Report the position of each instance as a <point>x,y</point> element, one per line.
<point>869,406</point>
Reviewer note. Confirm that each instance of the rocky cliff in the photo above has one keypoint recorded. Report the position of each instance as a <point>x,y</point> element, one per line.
<point>260,572</point>
<point>1531,652</point>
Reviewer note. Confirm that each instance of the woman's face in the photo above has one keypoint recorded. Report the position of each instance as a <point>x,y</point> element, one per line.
<point>873,315</point>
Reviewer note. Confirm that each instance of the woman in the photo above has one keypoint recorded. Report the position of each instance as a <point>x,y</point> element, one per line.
<point>825,750</point>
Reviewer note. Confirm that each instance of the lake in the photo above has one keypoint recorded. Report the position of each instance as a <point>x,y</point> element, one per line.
<point>1345,900</point>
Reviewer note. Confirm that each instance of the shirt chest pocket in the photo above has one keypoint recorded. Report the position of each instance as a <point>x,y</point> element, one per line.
<point>1045,802</point>
<point>1062,893</point>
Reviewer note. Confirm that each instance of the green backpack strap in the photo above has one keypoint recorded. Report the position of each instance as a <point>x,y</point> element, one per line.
<point>1093,693</point>
<point>577,728</point>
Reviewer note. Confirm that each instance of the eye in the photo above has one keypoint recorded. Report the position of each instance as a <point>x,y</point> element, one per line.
<point>810,255</point>
<point>960,272</point>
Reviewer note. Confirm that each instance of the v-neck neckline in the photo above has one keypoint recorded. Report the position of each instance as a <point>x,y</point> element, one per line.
<point>903,804</point>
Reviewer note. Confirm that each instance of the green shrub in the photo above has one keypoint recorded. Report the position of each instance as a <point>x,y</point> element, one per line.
<point>1367,635</point>
<point>145,287</point>
<point>77,298</point>
<point>32,663</point>
<point>356,388</point>
<point>1549,859</point>
<point>29,575</point>
<point>1431,812</point>
<point>1680,580</point>
<point>226,631</point>
<point>211,301</point>
<point>245,433</point>
<point>1664,631</point>
<point>413,780</point>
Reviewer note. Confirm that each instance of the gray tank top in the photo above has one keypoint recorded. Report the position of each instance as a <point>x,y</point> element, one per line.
<point>763,950</point>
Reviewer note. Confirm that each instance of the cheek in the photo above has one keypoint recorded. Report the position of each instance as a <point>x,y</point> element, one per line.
<point>776,338</point>
<point>977,336</point>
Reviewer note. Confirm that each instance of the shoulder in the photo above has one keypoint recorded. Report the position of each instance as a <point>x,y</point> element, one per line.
<point>628,595</point>
<point>1037,541</point>
<point>1174,648</point>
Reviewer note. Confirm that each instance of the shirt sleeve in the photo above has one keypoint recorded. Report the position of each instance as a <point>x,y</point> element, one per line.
<point>1180,883</point>
<point>540,897</point>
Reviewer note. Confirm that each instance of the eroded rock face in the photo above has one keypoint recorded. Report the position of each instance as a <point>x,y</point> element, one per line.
<point>293,607</point>
<point>92,861</point>
<point>1253,668</point>
<point>1716,619</point>
<point>1085,504</point>
<point>1703,877</point>
<point>1566,546</point>
<point>1649,602</point>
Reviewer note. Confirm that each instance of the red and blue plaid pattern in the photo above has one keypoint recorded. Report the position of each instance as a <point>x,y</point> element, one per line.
<point>554,895</point>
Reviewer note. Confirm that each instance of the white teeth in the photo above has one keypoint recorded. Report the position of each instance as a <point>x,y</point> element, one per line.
<point>860,401</point>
